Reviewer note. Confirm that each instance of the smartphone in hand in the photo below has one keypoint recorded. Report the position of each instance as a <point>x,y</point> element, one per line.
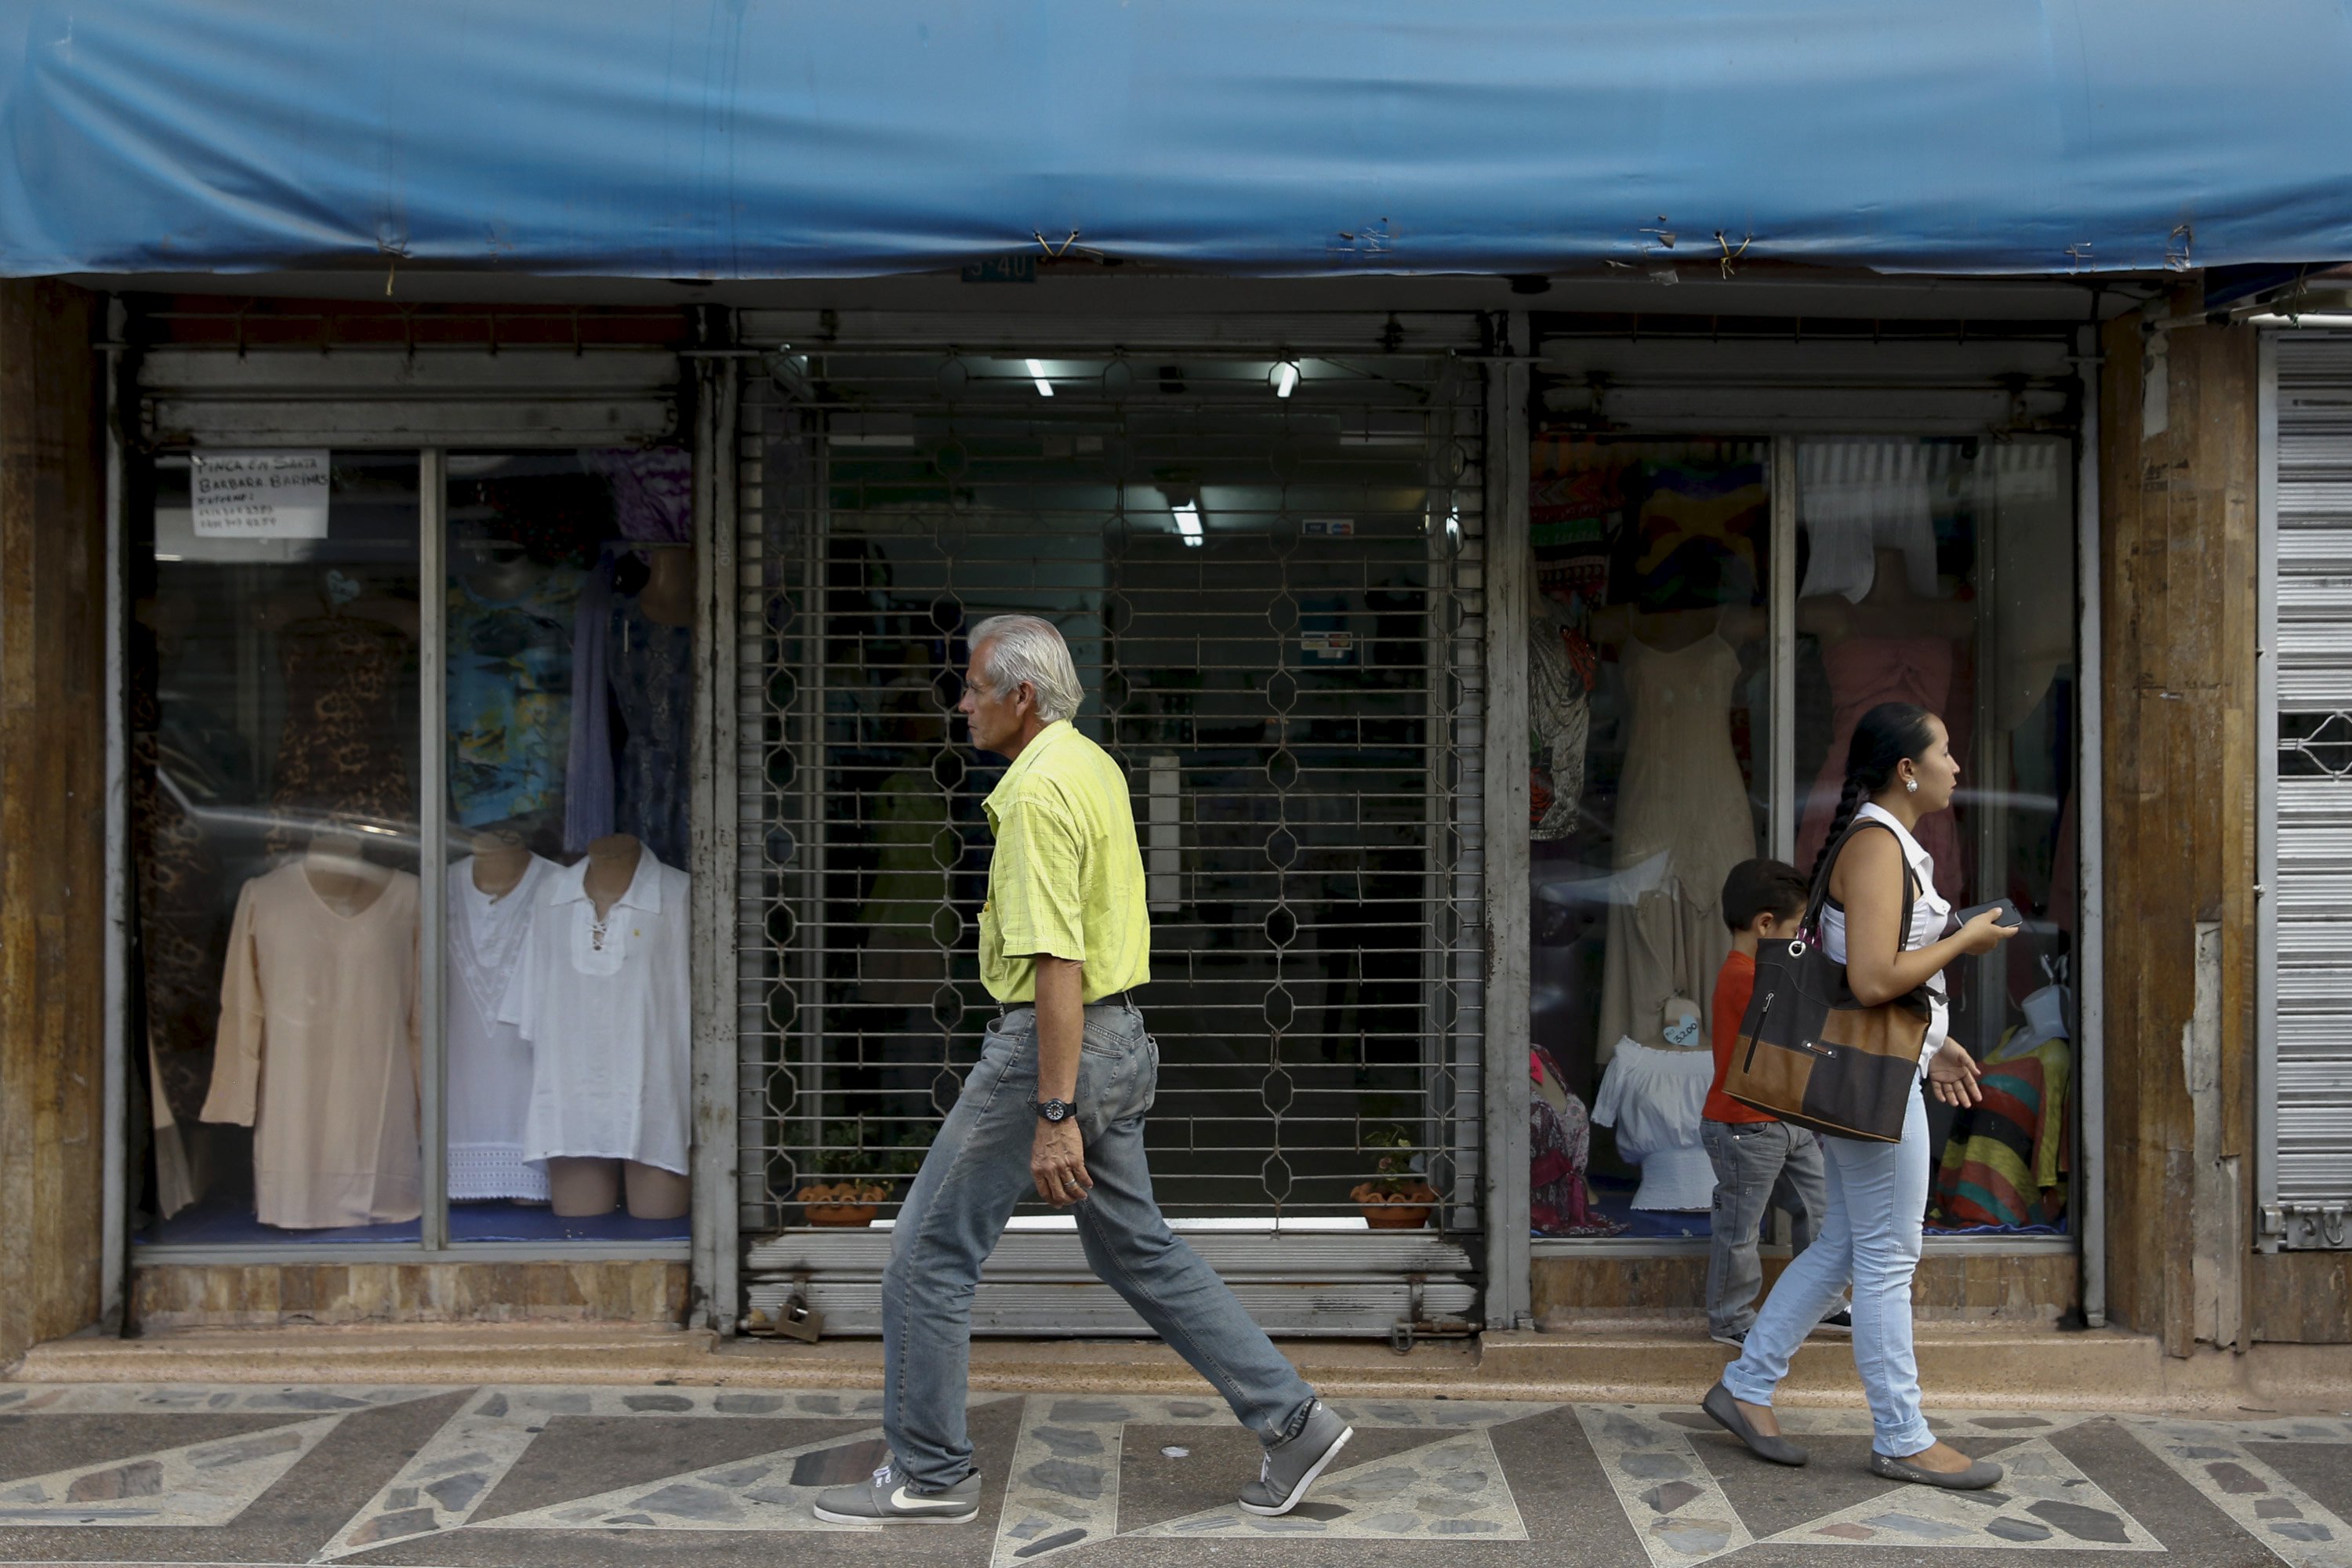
<point>2008,919</point>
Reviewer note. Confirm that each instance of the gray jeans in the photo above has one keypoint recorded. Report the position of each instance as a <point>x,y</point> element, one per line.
<point>1758,1165</point>
<point>975,1173</point>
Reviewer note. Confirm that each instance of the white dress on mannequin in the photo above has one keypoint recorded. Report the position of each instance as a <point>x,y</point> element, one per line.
<point>490,1061</point>
<point>1683,822</point>
<point>607,1012</point>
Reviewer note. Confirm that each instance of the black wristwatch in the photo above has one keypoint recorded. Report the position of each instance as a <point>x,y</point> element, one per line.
<point>1055,1111</point>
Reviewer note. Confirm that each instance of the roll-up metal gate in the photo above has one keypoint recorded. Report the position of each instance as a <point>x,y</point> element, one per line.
<point>2305,1100</point>
<point>1262,540</point>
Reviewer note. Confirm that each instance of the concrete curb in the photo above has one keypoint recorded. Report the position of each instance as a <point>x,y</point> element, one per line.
<point>1960,1368</point>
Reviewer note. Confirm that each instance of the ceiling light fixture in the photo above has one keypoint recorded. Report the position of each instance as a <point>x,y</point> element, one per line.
<point>1188,521</point>
<point>1037,373</point>
<point>1286,378</point>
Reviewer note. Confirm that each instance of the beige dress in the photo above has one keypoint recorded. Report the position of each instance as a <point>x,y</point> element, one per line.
<point>1683,822</point>
<point>318,1051</point>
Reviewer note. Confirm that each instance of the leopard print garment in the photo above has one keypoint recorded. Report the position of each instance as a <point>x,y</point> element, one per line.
<point>340,754</point>
<point>183,932</point>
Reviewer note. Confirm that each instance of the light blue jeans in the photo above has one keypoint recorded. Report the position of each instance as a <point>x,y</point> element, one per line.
<point>1870,1236</point>
<point>975,1173</point>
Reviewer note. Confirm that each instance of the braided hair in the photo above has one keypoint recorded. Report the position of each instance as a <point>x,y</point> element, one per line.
<point>1887,735</point>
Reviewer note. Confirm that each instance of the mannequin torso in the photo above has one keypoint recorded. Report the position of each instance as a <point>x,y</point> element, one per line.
<point>345,881</point>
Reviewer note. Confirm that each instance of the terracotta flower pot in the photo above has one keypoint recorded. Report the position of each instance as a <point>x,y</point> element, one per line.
<point>1407,1210</point>
<point>851,1204</point>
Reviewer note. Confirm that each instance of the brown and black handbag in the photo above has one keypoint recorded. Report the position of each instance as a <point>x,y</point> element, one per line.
<point>1810,1054</point>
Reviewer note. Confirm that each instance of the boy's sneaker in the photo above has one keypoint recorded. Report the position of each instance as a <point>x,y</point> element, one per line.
<point>1290,1467</point>
<point>883,1498</point>
<point>1736,1338</point>
<point>1838,1324</point>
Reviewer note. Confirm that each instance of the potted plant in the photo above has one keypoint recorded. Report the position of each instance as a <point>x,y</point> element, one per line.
<point>1398,1198</point>
<point>856,1189</point>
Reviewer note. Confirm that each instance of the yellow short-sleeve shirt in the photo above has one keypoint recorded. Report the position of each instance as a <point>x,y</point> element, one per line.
<point>1067,879</point>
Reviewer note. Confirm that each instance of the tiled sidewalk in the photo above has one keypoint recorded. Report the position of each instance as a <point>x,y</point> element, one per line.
<point>586,1475</point>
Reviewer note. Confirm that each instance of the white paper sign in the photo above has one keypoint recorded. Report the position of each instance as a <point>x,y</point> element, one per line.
<point>260,495</point>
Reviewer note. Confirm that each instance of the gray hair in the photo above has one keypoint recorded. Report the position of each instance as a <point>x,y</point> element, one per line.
<point>1024,648</point>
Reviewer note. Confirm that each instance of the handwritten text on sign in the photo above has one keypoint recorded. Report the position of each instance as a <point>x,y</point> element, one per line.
<point>260,495</point>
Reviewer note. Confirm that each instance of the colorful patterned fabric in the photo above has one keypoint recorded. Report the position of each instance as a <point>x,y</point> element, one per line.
<point>1560,1138</point>
<point>2005,1163</point>
<point>510,699</point>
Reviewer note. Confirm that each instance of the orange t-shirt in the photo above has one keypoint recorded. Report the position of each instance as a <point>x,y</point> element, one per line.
<point>1735,983</point>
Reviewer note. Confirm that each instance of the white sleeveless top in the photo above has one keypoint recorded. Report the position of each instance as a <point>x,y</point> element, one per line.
<point>1930,915</point>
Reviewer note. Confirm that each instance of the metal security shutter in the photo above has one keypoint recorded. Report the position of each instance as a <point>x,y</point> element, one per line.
<point>2305,963</point>
<point>1295,699</point>
<point>386,396</point>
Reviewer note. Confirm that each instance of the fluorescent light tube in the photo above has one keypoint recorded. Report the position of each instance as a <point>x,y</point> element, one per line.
<point>1037,372</point>
<point>1188,521</point>
<point>1286,378</point>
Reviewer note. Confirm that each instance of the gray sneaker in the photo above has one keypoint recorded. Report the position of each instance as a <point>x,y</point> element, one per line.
<point>1290,1467</point>
<point>883,1498</point>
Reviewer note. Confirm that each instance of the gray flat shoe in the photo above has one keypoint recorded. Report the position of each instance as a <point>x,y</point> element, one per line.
<point>1720,1404</point>
<point>1983,1473</point>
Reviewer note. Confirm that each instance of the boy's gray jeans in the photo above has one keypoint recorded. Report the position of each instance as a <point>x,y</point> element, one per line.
<point>1758,1165</point>
<point>972,1177</point>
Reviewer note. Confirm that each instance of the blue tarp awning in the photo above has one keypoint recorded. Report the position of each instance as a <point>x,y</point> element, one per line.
<point>762,138</point>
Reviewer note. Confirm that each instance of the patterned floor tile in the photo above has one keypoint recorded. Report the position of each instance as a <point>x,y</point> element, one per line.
<point>2212,1457</point>
<point>207,1483</point>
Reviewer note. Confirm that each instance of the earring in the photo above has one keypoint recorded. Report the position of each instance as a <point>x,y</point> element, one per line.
<point>1910,786</point>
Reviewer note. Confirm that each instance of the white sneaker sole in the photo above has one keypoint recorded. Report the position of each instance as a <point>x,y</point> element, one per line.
<point>830,1518</point>
<point>1298,1493</point>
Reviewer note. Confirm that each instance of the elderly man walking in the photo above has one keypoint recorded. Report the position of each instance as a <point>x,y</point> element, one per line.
<point>1056,1103</point>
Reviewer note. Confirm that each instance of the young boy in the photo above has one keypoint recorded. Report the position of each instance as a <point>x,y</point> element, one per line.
<point>1759,1163</point>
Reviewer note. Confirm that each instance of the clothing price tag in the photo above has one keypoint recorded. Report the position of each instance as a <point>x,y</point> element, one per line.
<point>260,495</point>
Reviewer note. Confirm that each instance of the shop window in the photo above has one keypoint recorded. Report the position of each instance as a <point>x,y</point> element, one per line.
<point>570,612</point>
<point>280,743</point>
<point>1934,572</point>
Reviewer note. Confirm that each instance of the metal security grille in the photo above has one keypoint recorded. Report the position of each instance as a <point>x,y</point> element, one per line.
<point>1267,562</point>
<point>2309,1184</point>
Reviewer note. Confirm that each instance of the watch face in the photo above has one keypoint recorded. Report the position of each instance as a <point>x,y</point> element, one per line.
<point>1055,1109</point>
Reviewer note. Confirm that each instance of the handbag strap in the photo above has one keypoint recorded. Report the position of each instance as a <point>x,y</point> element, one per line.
<point>1820,897</point>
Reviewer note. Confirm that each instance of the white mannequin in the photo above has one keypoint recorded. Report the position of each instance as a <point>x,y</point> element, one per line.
<point>501,858</point>
<point>582,1187</point>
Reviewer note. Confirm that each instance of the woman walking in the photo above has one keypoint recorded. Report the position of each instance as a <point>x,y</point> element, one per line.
<point>1899,768</point>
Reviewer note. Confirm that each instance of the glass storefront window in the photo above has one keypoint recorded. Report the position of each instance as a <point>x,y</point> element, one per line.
<point>274,762</point>
<point>1648,671</point>
<point>1927,571</point>
<point>569,615</point>
<point>1941,572</point>
<point>278,728</point>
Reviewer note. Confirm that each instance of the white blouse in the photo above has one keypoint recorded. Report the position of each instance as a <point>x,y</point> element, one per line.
<point>1930,915</point>
<point>606,1008</point>
<point>490,1061</point>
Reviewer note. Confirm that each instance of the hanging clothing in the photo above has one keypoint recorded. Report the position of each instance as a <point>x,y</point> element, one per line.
<point>588,769</point>
<point>652,673</point>
<point>653,490</point>
<point>1857,498</point>
<point>1560,716</point>
<point>1864,672</point>
<point>489,1062</point>
<point>606,1008</point>
<point>318,1051</point>
<point>1653,1097</point>
<point>1682,822</point>
<point>510,699</point>
<point>1559,1141</point>
<point>341,752</point>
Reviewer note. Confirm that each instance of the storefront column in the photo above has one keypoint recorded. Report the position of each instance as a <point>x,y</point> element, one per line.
<point>2176,570</point>
<point>52,813</point>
